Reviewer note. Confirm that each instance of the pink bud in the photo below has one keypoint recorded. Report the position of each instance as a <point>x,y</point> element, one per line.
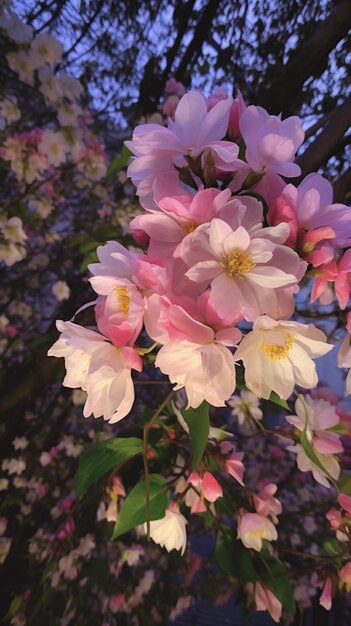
<point>326,597</point>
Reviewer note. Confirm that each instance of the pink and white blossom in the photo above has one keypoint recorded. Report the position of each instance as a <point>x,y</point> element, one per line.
<point>253,529</point>
<point>277,355</point>
<point>99,368</point>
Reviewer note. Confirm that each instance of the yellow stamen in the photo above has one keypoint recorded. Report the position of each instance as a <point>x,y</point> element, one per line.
<point>275,351</point>
<point>123,299</point>
<point>237,263</point>
<point>189,227</point>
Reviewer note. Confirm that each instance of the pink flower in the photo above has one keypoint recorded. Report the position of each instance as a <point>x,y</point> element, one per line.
<point>194,356</point>
<point>265,600</point>
<point>317,226</point>
<point>236,111</point>
<point>254,528</point>
<point>266,504</point>
<point>316,417</point>
<point>345,502</point>
<point>233,462</point>
<point>195,131</point>
<point>208,488</point>
<point>177,218</point>
<point>325,599</point>
<point>271,143</point>
<point>345,576</point>
<point>117,264</point>
<point>118,603</point>
<point>344,360</point>
<point>243,269</point>
<point>173,86</point>
<point>99,368</point>
<point>334,518</point>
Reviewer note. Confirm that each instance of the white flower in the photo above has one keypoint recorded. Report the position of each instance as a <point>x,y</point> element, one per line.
<point>71,87</point>
<point>54,146</point>
<point>277,355</point>
<point>20,443</point>
<point>99,368</point>
<point>46,49</point>
<point>16,30</point>
<point>23,64</point>
<point>254,528</point>
<point>68,114</point>
<point>246,405</point>
<point>86,545</point>
<point>4,484</point>
<point>305,464</point>
<point>61,290</point>
<point>13,466</point>
<point>50,85</point>
<point>9,110</point>
<point>41,206</point>
<point>10,253</point>
<point>169,531</point>
<point>316,417</point>
<point>13,231</point>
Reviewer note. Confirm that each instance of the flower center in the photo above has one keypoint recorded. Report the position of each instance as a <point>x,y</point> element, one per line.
<point>275,351</point>
<point>123,299</point>
<point>189,227</point>
<point>237,263</point>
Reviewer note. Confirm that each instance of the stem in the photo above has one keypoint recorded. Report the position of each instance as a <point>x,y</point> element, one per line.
<point>146,466</point>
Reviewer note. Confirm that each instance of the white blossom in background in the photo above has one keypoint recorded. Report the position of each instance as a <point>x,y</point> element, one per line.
<point>61,290</point>
<point>245,405</point>
<point>45,49</point>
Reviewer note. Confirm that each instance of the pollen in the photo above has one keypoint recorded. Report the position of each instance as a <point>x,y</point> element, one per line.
<point>189,227</point>
<point>275,351</point>
<point>123,300</point>
<point>237,263</point>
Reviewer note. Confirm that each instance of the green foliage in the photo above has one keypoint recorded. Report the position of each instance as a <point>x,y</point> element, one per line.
<point>309,451</point>
<point>344,484</point>
<point>198,421</point>
<point>119,162</point>
<point>235,560</point>
<point>102,456</point>
<point>332,547</point>
<point>133,511</point>
<point>273,574</point>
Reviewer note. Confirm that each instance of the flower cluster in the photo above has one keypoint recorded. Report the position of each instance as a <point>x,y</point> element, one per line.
<point>227,246</point>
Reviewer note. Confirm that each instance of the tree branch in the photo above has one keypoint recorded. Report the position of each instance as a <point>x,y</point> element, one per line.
<point>309,59</point>
<point>323,146</point>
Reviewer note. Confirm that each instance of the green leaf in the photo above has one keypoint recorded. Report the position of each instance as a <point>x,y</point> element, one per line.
<point>234,559</point>
<point>278,400</point>
<point>332,547</point>
<point>92,257</point>
<point>102,456</point>
<point>274,575</point>
<point>119,162</point>
<point>133,511</point>
<point>344,484</point>
<point>309,451</point>
<point>15,606</point>
<point>198,421</point>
